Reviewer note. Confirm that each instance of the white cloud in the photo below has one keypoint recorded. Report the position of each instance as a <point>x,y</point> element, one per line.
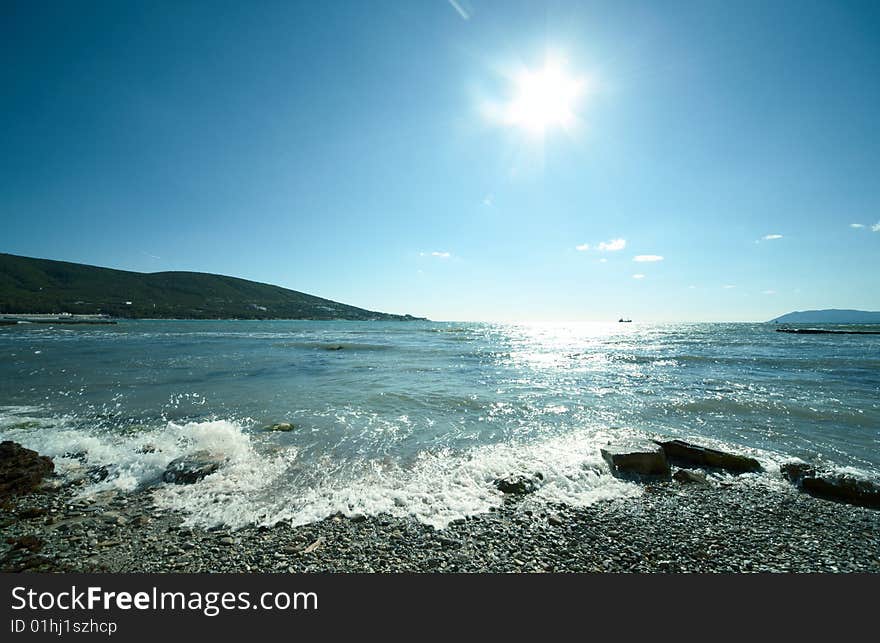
<point>647,258</point>
<point>771,237</point>
<point>876,227</point>
<point>769,292</point>
<point>604,246</point>
<point>638,276</point>
<point>856,225</point>
<point>488,201</point>
<point>728,286</point>
<point>441,255</point>
<point>603,260</point>
<point>614,245</point>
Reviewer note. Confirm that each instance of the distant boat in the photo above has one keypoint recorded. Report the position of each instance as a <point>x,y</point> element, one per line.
<point>624,321</point>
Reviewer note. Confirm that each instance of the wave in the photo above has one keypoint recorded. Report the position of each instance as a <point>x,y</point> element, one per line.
<point>264,483</point>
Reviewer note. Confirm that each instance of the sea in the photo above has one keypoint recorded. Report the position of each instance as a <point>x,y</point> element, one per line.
<point>420,418</point>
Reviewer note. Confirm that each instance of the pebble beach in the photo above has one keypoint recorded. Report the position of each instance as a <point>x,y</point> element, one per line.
<point>671,527</point>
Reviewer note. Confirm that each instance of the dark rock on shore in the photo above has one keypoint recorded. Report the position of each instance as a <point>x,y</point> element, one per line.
<point>518,485</point>
<point>685,476</point>
<point>833,486</point>
<point>21,470</point>
<point>684,454</point>
<point>191,468</point>
<point>640,458</point>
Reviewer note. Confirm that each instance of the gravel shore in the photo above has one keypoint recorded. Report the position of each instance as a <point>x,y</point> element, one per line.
<point>735,527</point>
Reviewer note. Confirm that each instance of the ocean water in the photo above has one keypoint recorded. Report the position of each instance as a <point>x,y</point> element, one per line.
<point>419,418</point>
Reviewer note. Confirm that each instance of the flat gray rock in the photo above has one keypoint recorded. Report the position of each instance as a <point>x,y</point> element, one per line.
<point>639,457</point>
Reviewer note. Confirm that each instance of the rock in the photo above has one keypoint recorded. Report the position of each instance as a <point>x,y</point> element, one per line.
<point>21,470</point>
<point>555,520</point>
<point>690,477</point>
<point>32,512</point>
<point>449,543</point>
<point>828,485</point>
<point>97,474</point>
<point>518,485</point>
<point>30,543</point>
<point>794,472</point>
<point>281,426</point>
<point>684,454</point>
<point>191,468</point>
<point>638,457</point>
<point>227,540</point>
<point>113,518</point>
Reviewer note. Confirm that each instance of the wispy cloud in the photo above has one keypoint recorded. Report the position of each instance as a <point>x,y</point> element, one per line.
<point>603,260</point>
<point>638,276</point>
<point>604,246</point>
<point>437,253</point>
<point>768,292</point>
<point>460,9</point>
<point>856,225</point>
<point>876,227</point>
<point>771,237</point>
<point>647,258</point>
<point>614,245</point>
<point>147,254</point>
<point>729,286</point>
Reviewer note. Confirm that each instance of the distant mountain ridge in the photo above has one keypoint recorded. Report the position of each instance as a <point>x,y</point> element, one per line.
<point>829,316</point>
<point>29,285</point>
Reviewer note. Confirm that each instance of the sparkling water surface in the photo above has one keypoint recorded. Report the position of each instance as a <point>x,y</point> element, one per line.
<point>420,417</point>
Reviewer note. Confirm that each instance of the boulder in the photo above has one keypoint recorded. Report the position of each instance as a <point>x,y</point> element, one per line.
<point>191,468</point>
<point>21,470</point>
<point>828,485</point>
<point>684,454</point>
<point>519,485</point>
<point>684,476</point>
<point>639,457</point>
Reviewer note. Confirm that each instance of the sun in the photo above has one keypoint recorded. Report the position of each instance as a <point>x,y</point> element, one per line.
<point>544,99</point>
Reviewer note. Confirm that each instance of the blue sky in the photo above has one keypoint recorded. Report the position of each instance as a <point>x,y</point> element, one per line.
<point>372,152</point>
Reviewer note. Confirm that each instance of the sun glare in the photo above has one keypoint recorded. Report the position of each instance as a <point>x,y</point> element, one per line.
<point>544,99</point>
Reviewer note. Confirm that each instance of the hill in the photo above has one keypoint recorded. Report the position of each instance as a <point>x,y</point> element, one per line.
<point>43,286</point>
<point>831,316</point>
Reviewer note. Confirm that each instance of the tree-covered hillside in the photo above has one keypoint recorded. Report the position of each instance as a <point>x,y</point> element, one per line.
<point>43,286</point>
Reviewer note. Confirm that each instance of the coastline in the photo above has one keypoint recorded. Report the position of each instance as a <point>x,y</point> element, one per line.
<point>671,527</point>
